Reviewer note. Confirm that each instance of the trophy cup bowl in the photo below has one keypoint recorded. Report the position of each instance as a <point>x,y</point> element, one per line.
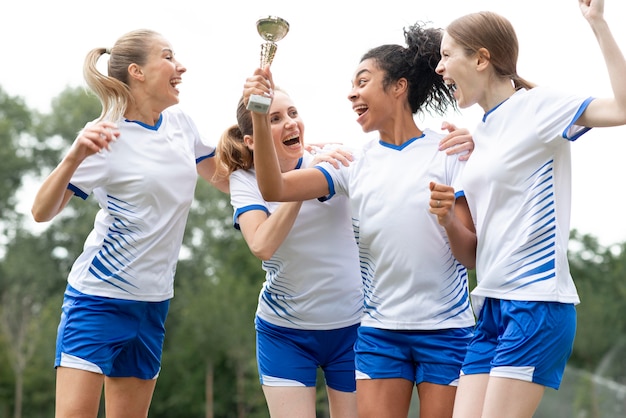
<point>272,29</point>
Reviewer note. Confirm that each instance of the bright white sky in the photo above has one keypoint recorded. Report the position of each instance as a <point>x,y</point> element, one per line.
<point>44,44</point>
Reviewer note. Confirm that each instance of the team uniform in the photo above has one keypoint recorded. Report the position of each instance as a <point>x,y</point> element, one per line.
<point>416,292</point>
<point>311,301</point>
<point>145,186</point>
<point>521,210</point>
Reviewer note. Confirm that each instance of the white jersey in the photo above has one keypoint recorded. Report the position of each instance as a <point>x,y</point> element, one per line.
<point>144,185</point>
<point>313,279</point>
<point>412,281</point>
<point>518,186</point>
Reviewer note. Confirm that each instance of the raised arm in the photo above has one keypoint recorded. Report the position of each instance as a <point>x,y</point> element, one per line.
<point>296,185</point>
<point>53,194</point>
<point>605,111</point>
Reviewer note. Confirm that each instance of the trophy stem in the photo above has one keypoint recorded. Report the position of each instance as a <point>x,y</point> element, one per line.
<point>268,51</point>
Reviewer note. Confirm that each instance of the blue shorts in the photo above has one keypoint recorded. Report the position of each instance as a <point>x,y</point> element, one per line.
<point>290,357</point>
<point>522,340</point>
<point>114,337</point>
<point>417,356</point>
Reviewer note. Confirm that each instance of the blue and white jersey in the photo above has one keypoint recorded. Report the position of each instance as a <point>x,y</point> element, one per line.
<point>313,279</point>
<point>518,186</point>
<point>144,185</point>
<point>412,281</point>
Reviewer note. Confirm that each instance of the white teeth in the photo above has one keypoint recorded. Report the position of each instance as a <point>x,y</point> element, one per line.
<point>360,109</point>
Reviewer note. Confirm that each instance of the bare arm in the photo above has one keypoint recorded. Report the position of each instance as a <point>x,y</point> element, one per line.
<point>206,169</point>
<point>606,111</point>
<point>263,233</point>
<point>53,194</point>
<point>454,215</point>
<point>296,185</point>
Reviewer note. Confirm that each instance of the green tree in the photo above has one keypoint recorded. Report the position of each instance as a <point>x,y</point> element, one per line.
<point>25,289</point>
<point>15,127</point>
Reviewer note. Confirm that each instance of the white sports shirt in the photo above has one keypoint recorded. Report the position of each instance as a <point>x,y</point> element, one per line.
<point>144,185</point>
<point>412,281</point>
<point>313,279</point>
<point>518,186</point>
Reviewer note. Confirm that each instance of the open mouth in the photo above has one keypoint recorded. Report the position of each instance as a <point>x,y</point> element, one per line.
<point>292,140</point>
<point>451,85</point>
<point>360,109</point>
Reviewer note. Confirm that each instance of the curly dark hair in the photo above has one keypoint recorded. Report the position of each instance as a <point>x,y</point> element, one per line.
<point>416,63</point>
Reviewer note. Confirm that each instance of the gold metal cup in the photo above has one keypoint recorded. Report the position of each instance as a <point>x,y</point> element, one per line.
<point>272,29</point>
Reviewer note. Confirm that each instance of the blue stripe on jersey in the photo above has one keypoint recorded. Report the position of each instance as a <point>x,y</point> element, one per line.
<point>77,191</point>
<point>245,209</point>
<point>278,292</point>
<point>535,259</point>
<point>111,263</point>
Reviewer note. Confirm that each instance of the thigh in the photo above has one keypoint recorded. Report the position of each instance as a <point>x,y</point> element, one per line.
<point>342,404</point>
<point>290,402</point>
<point>512,398</point>
<point>77,392</point>
<point>470,396</point>
<point>128,396</point>
<point>436,401</point>
<point>383,398</point>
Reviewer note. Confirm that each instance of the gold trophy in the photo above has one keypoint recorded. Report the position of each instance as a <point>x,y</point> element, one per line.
<point>272,29</point>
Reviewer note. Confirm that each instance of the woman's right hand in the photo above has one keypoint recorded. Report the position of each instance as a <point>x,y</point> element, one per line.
<point>93,139</point>
<point>261,84</point>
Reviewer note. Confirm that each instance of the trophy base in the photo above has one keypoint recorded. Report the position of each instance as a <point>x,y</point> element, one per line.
<point>259,104</point>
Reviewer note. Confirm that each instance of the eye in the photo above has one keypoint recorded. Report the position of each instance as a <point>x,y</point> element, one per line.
<point>293,113</point>
<point>274,119</point>
<point>361,81</point>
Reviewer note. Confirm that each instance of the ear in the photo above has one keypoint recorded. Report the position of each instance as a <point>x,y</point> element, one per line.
<point>248,141</point>
<point>136,72</point>
<point>483,59</point>
<point>401,86</point>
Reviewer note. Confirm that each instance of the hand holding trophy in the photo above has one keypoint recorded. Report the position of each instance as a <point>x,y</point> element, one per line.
<point>272,29</point>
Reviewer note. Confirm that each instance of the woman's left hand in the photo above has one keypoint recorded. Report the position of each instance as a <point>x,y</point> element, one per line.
<point>458,141</point>
<point>335,157</point>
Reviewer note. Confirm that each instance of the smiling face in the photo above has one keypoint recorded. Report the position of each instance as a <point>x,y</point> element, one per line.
<point>370,100</point>
<point>458,69</point>
<point>287,130</point>
<point>161,75</point>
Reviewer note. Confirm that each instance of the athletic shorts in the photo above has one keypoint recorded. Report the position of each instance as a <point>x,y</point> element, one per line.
<point>114,337</point>
<point>523,340</point>
<point>417,356</point>
<point>290,357</point>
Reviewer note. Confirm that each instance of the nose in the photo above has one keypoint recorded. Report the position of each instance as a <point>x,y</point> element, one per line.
<point>180,67</point>
<point>352,95</point>
<point>290,122</point>
<point>439,68</point>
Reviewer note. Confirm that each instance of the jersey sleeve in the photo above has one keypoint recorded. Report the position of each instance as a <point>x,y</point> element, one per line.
<point>556,114</point>
<point>245,195</point>
<point>91,173</point>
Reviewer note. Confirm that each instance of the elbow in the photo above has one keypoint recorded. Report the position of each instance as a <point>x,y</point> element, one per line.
<point>262,254</point>
<point>38,216</point>
<point>270,195</point>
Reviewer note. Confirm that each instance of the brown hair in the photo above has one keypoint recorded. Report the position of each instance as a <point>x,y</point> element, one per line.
<point>495,33</point>
<point>113,89</point>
